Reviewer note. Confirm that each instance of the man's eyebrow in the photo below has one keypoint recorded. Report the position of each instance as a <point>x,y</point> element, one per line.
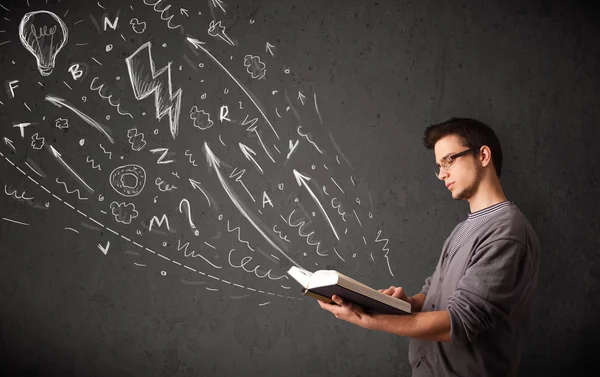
<point>445,157</point>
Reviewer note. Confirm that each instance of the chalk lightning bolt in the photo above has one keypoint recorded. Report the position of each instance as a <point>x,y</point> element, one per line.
<point>146,80</point>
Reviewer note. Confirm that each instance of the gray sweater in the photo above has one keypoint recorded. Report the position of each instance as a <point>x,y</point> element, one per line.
<point>485,278</point>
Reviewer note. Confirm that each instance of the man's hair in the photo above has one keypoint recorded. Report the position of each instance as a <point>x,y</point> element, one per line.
<point>473,133</point>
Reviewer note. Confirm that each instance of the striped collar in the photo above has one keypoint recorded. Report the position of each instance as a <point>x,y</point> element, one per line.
<point>488,210</point>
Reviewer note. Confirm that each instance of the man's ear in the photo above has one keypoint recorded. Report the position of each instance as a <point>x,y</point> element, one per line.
<point>485,156</point>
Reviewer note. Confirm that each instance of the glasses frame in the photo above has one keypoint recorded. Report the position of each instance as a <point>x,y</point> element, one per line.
<point>449,161</point>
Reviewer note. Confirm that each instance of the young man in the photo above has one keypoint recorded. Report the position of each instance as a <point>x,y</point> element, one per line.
<point>472,316</point>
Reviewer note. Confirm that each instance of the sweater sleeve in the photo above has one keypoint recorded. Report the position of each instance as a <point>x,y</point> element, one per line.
<point>490,290</point>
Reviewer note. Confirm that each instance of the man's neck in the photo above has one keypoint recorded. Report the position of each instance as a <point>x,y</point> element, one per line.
<point>487,195</point>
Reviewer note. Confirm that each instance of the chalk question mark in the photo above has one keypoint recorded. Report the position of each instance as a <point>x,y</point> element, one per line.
<point>189,215</point>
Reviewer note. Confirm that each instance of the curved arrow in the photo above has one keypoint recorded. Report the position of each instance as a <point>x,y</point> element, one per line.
<point>214,162</point>
<point>303,181</point>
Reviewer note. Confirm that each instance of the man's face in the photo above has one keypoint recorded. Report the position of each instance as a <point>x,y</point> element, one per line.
<point>463,176</point>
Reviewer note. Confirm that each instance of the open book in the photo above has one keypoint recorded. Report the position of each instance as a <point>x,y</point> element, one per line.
<point>323,284</point>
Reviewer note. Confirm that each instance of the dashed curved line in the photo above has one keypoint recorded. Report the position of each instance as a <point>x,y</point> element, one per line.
<point>67,190</point>
<point>154,252</point>
<point>239,239</point>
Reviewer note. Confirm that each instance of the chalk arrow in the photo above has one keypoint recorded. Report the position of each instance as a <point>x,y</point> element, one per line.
<point>248,153</point>
<point>303,181</point>
<point>9,142</point>
<point>214,162</point>
<point>269,48</point>
<point>301,98</point>
<point>219,4</point>
<point>184,11</point>
<point>196,185</point>
<point>104,249</point>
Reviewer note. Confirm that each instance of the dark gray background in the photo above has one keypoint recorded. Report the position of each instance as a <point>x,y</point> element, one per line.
<point>382,71</point>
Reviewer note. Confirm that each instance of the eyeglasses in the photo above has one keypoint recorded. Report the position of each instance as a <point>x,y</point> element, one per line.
<point>447,163</point>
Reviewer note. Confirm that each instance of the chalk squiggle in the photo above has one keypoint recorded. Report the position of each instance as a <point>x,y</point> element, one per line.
<point>108,153</point>
<point>70,192</point>
<point>308,138</point>
<point>385,248</point>
<point>99,90</point>
<point>91,160</point>
<point>14,194</point>
<point>155,4</point>
<point>238,232</point>
<point>308,236</point>
<point>193,162</point>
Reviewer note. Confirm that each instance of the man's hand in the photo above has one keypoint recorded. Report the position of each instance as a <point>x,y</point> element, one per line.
<point>348,312</point>
<point>397,292</point>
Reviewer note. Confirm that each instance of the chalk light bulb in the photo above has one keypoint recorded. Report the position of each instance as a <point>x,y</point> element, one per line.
<point>43,34</point>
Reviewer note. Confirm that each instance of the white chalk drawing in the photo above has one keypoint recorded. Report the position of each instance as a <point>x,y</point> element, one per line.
<point>37,141</point>
<point>43,34</point>
<point>303,181</point>
<point>161,158</point>
<point>155,219</point>
<point>133,173</point>
<point>164,12</point>
<point>307,137</point>
<point>201,118</point>
<point>238,178</point>
<point>184,11</point>
<point>21,127</point>
<point>105,152</point>
<point>214,162</point>
<point>9,143</point>
<point>252,127</point>
<point>270,48</point>
<point>197,185</point>
<point>255,67</point>
<point>188,213</point>
<point>386,249</point>
<point>137,26</point>
<point>61,123</point>
<point>104,249</point>
<point>196,43</point>
<point>249,153</point>
<point>107,23</point>
<point>338,186</point>
<point>292,147</point>
<point>76,71</point>
<point>278,232</point>
<point>317,108</point>
<point>123,212</point>
<point>189,155</point>
<point>300,225</point>
<point>339,208</point>
<point>108,98</point>
<point>163,186</point>
<point>72,230</point>
<point>34,168</point>
<point>14,221</point>
<point>14,194</point>
<point>266,200</point>
<point>58,158</point>
<point>247,259</point>
<point>93,163</point>
<point>145,80</point>
<point>87,217</point>
<point>216,30</point>
<point>72,191</point>
<point>59,102</point>
<point>136,139</point>
<point>301,98</point>
<point>219,4</point>
<point>193,254</point>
